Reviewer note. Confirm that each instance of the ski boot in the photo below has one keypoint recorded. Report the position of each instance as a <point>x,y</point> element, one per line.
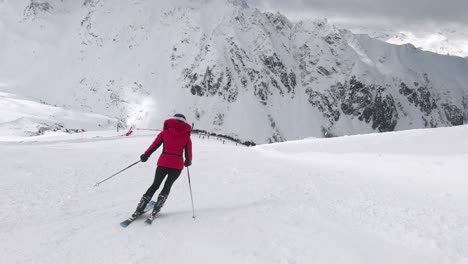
<point>141,206</point>
<point>156,209</point>
<point>159,204</point>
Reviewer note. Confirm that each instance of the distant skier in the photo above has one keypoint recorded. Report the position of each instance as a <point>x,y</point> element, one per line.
<point>175,139</point>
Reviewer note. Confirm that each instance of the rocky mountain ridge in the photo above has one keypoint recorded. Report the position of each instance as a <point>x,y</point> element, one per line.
<point>234,70</point>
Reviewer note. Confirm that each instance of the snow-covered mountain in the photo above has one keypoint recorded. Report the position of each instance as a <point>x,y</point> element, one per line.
<point>444,40</point>
<point>229,67</point>
<point>24,117</point>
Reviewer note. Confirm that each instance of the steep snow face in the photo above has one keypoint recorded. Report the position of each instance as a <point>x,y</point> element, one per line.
<point>230,68</point>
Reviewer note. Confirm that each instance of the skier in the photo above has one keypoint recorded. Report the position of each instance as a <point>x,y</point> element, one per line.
<point>175,139</point>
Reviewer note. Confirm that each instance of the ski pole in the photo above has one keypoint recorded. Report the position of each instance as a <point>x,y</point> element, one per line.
<point>191,196</point>
<point>115,174</point>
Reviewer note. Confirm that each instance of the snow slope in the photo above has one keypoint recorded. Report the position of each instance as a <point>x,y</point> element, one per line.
<point>21,117</point>
<point>448,40</point>
<point>435,42</point>
<point>396,197</point>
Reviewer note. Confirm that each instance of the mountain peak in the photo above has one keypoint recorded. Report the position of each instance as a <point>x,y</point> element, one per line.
<point>240,3</point>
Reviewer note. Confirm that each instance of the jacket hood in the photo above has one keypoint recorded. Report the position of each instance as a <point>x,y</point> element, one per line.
<point>177,127</point>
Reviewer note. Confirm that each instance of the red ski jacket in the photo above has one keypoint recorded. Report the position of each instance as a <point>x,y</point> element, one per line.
<point>175,138</point>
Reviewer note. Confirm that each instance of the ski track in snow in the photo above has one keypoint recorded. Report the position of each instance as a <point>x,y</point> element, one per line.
<point>388,198</point>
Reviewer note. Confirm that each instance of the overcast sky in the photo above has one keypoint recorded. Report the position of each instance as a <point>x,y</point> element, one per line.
<point>397,12</point>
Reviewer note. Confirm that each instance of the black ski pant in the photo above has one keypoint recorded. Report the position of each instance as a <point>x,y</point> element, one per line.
<point>161,172</point>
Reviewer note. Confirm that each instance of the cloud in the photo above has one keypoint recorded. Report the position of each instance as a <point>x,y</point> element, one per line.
<point>397,11</point>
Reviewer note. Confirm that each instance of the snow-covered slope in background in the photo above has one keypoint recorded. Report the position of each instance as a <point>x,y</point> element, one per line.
<point>230,68</point>
<point>383,198</point>
<point>24,117</point>
<point>445,40</point>
<point>438,43</point>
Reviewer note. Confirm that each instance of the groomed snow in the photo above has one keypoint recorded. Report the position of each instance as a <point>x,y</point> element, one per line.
<point>385,198</point>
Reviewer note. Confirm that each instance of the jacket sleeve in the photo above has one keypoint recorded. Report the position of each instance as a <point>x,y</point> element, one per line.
<point>155,145</point>
<point>188,150</point>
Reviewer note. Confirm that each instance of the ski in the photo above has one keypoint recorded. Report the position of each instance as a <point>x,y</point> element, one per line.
<point>148,207</point>
<point>150,219</point>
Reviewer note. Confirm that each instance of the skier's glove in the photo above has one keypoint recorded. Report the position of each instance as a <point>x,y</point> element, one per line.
<point>144,157</point>
<point>187,163</point>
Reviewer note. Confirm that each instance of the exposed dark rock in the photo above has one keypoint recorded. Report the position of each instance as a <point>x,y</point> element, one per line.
<point>421,97</point>
<point>219,119</point>
<point>91,3</point>
<point>370,104</point>
<point>385,114</point>
<point>326,132</point>
<point>212,83</point>
<point>322,71</point>
<point>465,107</point>
<point>262,92</point>
<point>279,21</point>
<point>43,128</point>
<point>454,114</point>
<point>276,66</point>
<point>276,136</point>
<point>238,54</point>
<point>197,90</point>
<point>36,7</point>
<point>357,100</point>
<point>326,104</point>
<point>333,38</point>
<point>429,122</point>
